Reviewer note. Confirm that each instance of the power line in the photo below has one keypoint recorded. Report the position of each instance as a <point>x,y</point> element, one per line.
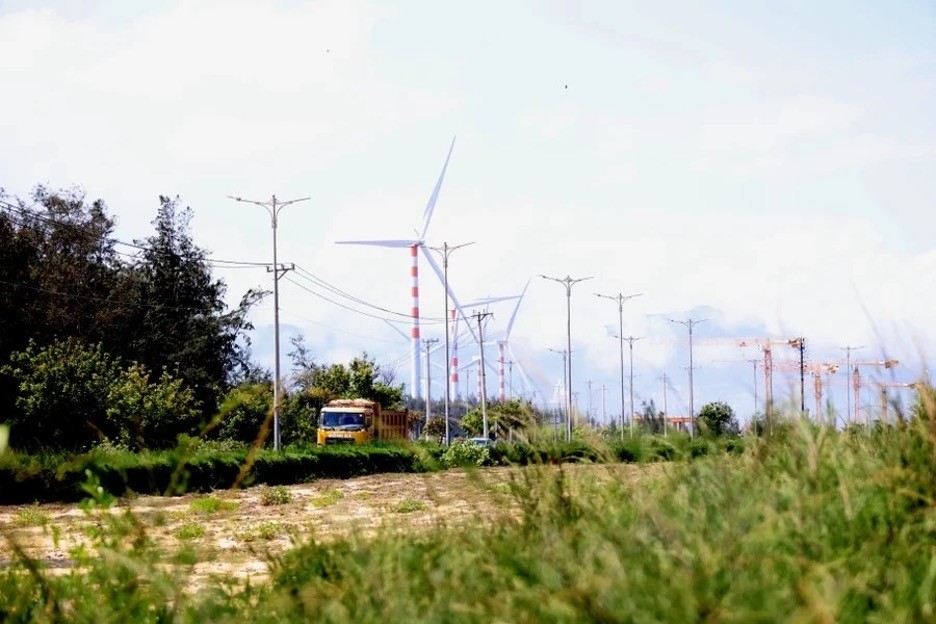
<point>23,212</point>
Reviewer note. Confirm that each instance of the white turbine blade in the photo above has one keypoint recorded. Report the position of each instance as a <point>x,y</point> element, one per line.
<point>430,206</point>
<point>380,243</point>
<point>398,330</point>
<point>441,276</point>
<point>489,300</point>
<point>513,316</point>
<point>530,384</point>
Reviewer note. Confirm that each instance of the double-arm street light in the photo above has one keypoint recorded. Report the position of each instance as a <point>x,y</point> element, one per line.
<point>444,251</point>
<point>568,282</point>
<point>273,207</point>
<point>620,298</point>
<point>690,324</point>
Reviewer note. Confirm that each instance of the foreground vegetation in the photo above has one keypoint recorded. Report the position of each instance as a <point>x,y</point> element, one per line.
<point>809,524</point>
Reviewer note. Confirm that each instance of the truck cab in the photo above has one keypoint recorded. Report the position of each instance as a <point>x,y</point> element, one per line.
<point>345,425</point>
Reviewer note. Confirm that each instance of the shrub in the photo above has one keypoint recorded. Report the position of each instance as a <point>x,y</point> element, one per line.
<point>278,495</point>
<point>466,453</point>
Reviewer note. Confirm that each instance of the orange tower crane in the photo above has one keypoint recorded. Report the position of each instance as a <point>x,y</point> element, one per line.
<point>856,378</point>
<point>884,385</point>
<point>766,345</point>
<point>816,369</point>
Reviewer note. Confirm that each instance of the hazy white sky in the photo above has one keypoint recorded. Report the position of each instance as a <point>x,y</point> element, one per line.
<point>769,168</point>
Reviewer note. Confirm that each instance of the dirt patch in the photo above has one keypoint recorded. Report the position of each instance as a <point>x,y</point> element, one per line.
<point>231,533</point>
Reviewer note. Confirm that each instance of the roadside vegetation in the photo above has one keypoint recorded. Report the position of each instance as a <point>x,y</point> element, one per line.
<point>806,524</point>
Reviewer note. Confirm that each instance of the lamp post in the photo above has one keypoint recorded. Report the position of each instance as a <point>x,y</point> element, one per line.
<point>568,282</point>
<point>444,251</point>
<point>429,342</point>
<point>273,207</point>
<point>565,355</point>
<point>689,324</point>
<point>621,298</point>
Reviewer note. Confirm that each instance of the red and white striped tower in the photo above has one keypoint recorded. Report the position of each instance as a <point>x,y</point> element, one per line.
<point>480,376</point>
<point>454,335</point>
<point>416,370</point>
<point>502,395</point>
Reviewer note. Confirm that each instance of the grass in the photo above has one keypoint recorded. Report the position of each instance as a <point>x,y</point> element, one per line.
<point>211,504</point>
<point>408,506</point>
<point>278,495</point>
<point>190,531</point>
<point>30,517</point>
<point>808,524</point>
<point>329,497</point>
<point>263,531</point>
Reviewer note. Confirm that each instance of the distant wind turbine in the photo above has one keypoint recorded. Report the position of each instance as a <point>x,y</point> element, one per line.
<point>414,245</point>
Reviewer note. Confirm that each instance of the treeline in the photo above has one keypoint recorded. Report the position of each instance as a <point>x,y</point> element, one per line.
<point>131,344</point>
<point>100,339</point>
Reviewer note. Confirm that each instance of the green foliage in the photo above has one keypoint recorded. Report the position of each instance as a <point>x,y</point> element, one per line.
<point>150,413</point>
<point>317,384</point>
<point>718,419</point>
<point>243,412</point>
<point>30,516</point>
<point>73,297</point>
<point>435,428</point>
<point>278,495</point>
<point>511,415</point>
<point>190,531</point>
<point>211,504</point>
<point>329,497</point>
<point>409,506</point>
<point>63,393</point>
<point>466,453</point>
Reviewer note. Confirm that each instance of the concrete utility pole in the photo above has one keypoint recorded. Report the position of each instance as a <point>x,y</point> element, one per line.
<point>479,317</point>
<point>445,250</point>
<point>273,207</point>
<point>565,355</point>
<point>848,351</point>
<point>604,411</point>
<point>689,324</point>
<point>621,298</point>
<point>589,382</point>
<point>665,381</point>
<point>568,282</point>
<point>429,342</point>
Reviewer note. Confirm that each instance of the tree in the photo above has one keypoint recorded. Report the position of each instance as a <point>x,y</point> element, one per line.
<point>150,414</point>
<point>718,419</point>
<point>435,428</point>
<point>652,420</point>
<point>63,392</point>
<point>182,325</point>
<point>244,411</point>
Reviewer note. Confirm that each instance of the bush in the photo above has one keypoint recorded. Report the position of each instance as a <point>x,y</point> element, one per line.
<point>466,453</point>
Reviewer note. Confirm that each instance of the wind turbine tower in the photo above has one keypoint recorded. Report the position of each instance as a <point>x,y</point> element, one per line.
<point>416,388</point>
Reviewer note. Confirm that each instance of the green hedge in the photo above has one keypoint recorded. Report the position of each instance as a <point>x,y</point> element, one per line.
<point>48,478</point>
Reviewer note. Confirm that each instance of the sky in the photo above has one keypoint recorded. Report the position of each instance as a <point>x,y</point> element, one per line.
<point>766,167</point>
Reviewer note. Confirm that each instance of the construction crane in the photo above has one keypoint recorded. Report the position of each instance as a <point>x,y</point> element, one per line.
<point>816,369</point>
<point>766,345</point>
<point>856,379</point>
<point>884,385</point>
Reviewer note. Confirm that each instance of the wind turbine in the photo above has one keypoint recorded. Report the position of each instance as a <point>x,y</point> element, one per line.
<point>503,345</point>
<point>414,244</point>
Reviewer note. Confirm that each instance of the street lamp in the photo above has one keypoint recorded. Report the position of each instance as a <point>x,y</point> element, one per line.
<point>568,282</point>
<point>620,298</point>
<point>689,324</point>
<point>273,207</point>
<point>444,251</point>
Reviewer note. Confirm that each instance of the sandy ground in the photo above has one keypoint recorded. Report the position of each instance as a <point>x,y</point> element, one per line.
<point>235,540</point>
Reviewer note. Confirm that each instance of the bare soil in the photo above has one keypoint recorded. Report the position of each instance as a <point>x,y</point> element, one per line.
<point>235,540</point>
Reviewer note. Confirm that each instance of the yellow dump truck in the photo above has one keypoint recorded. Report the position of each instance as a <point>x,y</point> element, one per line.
<point>358,421</point>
